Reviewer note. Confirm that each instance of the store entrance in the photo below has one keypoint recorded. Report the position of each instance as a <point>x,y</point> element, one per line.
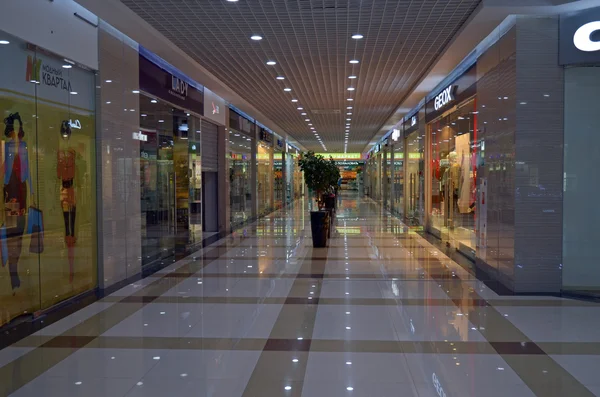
<point>453,179</point>
<point>169,166</point>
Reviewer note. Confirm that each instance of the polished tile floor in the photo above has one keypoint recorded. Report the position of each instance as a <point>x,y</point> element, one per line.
<point>380,312</point>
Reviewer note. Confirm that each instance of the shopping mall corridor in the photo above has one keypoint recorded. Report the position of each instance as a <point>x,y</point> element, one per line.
<point>380,312</point>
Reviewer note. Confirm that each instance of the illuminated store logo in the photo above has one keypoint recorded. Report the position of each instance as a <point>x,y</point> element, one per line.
<point>140,136</point>
<point>179,87</point>
<point>413,121</point>
<point>75,124</point>
<point>583,37</point>
<point>395,135</point>
<point>216,109</point>
<point>444,98</point>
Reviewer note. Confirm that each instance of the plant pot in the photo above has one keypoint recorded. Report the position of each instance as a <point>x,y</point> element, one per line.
<point>319,225</point>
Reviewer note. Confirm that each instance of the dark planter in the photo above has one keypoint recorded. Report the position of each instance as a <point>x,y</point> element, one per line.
<point>319,225</point>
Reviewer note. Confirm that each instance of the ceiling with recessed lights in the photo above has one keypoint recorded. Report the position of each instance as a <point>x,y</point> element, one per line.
<point>327,71</point>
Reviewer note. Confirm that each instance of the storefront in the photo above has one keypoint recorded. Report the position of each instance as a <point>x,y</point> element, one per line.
<point>264,172</point>
<point>48,159</point>
<point>581,273</point>
<point>279,198</point>
<point>241,137</point>
<point>451,117</point>
<point>170,152</point>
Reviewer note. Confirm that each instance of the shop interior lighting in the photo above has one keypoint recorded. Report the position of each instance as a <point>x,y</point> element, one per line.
<point>73,92</point>
<point>256,37</point>
<point>154,101</point>
<point>4,42</point>
<point>67,66</point>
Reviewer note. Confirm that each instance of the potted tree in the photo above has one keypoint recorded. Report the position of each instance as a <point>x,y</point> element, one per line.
<point>333,176</point>
<point>316,175</point>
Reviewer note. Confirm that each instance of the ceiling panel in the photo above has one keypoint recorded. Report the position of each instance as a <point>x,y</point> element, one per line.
<point>311,42</point>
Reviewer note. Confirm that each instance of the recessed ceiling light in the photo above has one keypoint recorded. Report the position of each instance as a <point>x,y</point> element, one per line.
<point>351,88</point>
<point>287,89</point>
<point>300,109</point>
<point>135,91</point>
<point>280,78</point>
<point>351,77</point>
<point>349,113</point>
<point>4,42</point>
<point>232,1</point>
<point>309,123</point>
<point>303,114</point>
<point>256,37</point>
<point>357,36</point>
<point>294,100</point>
<point>306,119</point>
<point>349,107</point>
<point>348,119</point>
<point>350,99</point>
<point>154,101</point>
<point>108,81</point>
<point>271,63</point>
<point>73,92</point>
<point>354,61</point>
<point>67,66</point>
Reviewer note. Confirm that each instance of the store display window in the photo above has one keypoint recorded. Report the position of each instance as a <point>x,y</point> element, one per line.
<point>240,176</point>
<point>48,242</point>
<point>415,178</point>
<point>279,179</point>
<point>398,178</point>
<point>264,178</point>
<point>453,176</point>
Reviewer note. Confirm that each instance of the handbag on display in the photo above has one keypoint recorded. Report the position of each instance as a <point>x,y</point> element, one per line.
<point>3,245</point>
<point>35,227</point>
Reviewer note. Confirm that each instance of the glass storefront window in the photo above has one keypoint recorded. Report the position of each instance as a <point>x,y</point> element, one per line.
<point>398,178</point>
<point>240,177</point>
<point>279,182</point>
<point>415,174</point>
<point>454,171</point>
<point>48,230</point>
<point>170,179</point>
<point>387,178</point>
<point>264,178</point>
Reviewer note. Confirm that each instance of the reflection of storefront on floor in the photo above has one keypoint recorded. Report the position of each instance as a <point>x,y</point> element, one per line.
<point>279,174</point>
<point>48,167</point>
<point>170,149</point>
<point>241,141</point>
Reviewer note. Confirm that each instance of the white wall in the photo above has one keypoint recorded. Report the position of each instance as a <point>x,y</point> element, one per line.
<point>581,223</point>
<point>53,25</point>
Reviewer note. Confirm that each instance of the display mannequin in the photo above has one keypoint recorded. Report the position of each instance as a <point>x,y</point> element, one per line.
<point>65,170</point>
<point>16,179</point>
<point>450,183</point>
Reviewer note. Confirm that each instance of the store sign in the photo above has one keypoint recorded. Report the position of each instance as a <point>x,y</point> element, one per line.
<point>342,156</point>
<point>580,37</point>
<point>164,85</point>
<point>140,136</point>
<point>395,134</point>
<point>75,124</point>
<point>214,107</point>
<point>266,136</point>
<point>444,98</point>
<point>40,72</point>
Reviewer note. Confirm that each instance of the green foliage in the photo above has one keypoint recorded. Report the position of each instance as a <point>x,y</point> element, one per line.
<point>316,172</point>
<point>321,175</point>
